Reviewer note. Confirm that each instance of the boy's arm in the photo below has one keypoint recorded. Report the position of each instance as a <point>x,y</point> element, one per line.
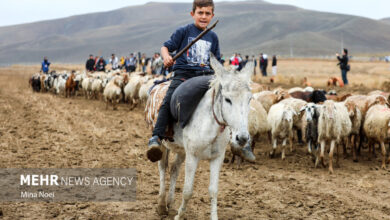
<point>168,61</point>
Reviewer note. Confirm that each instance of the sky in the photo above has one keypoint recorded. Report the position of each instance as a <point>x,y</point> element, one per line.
<point>26,11</point>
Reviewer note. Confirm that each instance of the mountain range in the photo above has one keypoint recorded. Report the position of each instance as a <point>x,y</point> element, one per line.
<point>248,27</point>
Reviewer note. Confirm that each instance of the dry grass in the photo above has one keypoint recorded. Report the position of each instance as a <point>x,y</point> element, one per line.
<point>365,75</point>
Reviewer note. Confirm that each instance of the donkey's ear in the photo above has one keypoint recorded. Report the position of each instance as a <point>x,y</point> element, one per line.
<point>247,71</point>
<point>216,65</point>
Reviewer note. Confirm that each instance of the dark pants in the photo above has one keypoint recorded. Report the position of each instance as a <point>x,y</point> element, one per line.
<point>131,68</point>
<point>264,71</point>
<point>164,115</point>
<point>344,76</point>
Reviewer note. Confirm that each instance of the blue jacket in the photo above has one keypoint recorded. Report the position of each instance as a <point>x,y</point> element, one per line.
<point>45,66</point>
<point>198,56</point>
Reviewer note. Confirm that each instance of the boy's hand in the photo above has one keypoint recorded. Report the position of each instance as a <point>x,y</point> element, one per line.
<point>168,61</point>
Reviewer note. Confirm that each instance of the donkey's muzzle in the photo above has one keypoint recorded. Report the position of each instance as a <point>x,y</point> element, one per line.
<point>242,139</point>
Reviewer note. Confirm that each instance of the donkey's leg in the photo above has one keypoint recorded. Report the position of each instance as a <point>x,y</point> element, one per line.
<point>175,169</point>
<point>162,166</point>
<point>215,167</point>
<point>191,165</point>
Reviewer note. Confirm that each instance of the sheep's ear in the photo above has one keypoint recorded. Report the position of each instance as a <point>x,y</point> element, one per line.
<point>302,109</point>
<point>216,65</point>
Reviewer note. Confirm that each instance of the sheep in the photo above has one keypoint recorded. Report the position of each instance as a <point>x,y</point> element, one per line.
<point>377,127</point>
<point>296,105</point>
<point>144,89</point>
<point>310,114</point>
<point>337,98</point>
<point>256,87</point>
<point>268,98</point>
<point>356,119</point>
<point>132,89</point>
<point>96,88</point>
<point>59,84</point>
<point>295,89</point>
<point>42,79</point>
<point>379,92</point>
<point>308,89</point>
<point>333,125</point>
<point>364,102</point>
<point>87,87</point>
<point>113,91</point>
<point>70,85</point>
<point>36,83</point>
<point>280,119</point>
<point>317,96</point>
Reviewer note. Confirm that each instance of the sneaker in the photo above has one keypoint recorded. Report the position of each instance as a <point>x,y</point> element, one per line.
<point>154,152</point>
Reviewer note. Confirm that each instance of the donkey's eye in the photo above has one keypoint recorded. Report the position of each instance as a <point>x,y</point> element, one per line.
<point>228,101</point>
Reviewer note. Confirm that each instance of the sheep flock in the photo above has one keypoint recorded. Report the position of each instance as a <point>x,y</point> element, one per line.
<point>323,121</point>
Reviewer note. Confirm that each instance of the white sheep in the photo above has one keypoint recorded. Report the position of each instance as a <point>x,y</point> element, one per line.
<point>113,91</point>
<point>333,125</point>
<point>143,92</point>
<point>280,119</point>
<point>356,119</point>
<point>131,90</point>
<point>377,127</point>
<point>295,89</point>
<point>296,105</point>
<point>59,84</point>
<point>96,88</point>
<point>268,98</point>
<point>87,86</point>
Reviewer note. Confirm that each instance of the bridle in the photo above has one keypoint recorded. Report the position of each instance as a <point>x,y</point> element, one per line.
<point>222,125</point>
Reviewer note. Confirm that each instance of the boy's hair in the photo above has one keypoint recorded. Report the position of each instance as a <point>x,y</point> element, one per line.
<point>202,3</point>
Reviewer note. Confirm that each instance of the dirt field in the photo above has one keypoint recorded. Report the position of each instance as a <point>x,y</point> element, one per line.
<point>46,131</point>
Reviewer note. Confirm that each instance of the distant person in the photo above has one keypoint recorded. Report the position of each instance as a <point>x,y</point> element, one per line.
<point>101,65</point>
<point>45,65</point>
<point>235,61</point>
<point>142,63</point>
<point>122,62</point>
<point>114,62</point>
<point>274,65</point>
<point>96,62</point>
<point>262,64</point>
<point>90,64</point>
<point>157,64</point>
<point>127,64</point>
<point>240,62</point>
<point>344,66</point>
<point>255,62</point>
<point>265,66</point>
<point>245,61</point>
<point>132,63</point>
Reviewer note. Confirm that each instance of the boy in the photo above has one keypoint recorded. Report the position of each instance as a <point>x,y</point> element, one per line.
<point>194,62</point>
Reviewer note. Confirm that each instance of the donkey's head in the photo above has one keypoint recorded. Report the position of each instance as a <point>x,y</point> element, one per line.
<point>232,95</point>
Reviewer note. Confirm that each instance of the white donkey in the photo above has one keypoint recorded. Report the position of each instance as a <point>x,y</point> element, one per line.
<point>225,104</point>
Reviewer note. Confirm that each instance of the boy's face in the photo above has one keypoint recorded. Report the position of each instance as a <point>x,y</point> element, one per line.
<point>202,16</point>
